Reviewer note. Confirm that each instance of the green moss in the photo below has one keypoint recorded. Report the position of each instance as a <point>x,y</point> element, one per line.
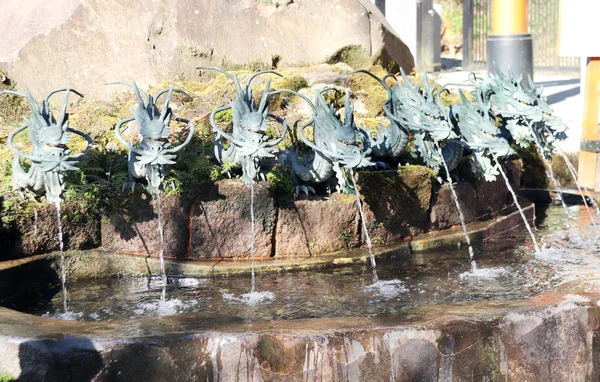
<point>356,56</point>
<point>11,107</point>
<point>491,361</point>
<point>6,378</point>
<point>280,180</point>
<point>561,171</point>
<point>372,93</point>
<point>534,170</point>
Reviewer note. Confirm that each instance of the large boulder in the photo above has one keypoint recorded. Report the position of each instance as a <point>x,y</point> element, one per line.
<point>85,43</point>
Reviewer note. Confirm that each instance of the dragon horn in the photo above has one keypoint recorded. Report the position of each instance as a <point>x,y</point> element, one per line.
<point>499,72</point>
<point>136,90</point>
<point>463,97</point>
<point>126,84</point>
<point>428,87</point>
<point>368,73</point>
<point>174,90</point>
<point>13,93</point>
<point>405,79</point>
<point>32,103</point>
<point>63,110</point>
<point>263,101</point>
<point>388,76</point>
<point>217,70</point>
<point>349,109</point>
<point>259,73</point>
<point>166,105</point>
<point>62,90</point>
<point>310,103</point>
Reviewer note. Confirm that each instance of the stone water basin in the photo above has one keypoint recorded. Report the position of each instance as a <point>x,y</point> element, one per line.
<point>427,318</point>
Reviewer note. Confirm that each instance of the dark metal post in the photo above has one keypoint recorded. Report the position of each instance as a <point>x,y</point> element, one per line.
<point>467,45</point>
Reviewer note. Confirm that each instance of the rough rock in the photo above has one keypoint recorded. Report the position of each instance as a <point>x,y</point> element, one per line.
<point>316,225</point>
<point>222,228</point>
<point>494,196</point>
<point>84,43</point>
<point>134,227</point>
<point>396,203</point>
<point>554,343</point>
<point>443,211</point>
<point>35,230</point>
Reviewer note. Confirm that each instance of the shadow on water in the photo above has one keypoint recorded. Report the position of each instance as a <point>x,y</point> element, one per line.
<point>59,359</point>
<point>30,285</point>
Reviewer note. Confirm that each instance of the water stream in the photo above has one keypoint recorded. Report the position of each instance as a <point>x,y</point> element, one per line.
<point>514,195</point>
<point>253,297</point>
<point>35,219</point>
<point>384,288</point>
<point>461,216</point>
<point>63,273</point>
<point>252,237</point>
<point>549,170</point>
<point>575,177</point>
<point>161,235</point>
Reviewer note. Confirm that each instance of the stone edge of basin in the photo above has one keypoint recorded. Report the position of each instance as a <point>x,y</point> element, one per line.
<point>96,262</point>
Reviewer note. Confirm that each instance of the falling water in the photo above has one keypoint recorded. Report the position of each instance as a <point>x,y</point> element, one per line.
<point>253,297</point>
<point>575,177</point>
<point>384,288</point>
<point>364,226</point>
<point>514,195</point>
<point>162,245</point>
<point>252,235</point>
<point>35,219</point>
<point>460,213</point>
<point>549,172</point>
<point>63,275</point>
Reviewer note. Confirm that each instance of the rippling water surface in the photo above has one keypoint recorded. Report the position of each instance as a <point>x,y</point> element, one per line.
<point>508,269</point>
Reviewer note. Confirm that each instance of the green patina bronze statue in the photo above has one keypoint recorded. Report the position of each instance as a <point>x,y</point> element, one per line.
<point>249,144</point>
<point>339,146</point>
<point>147,160</point>
<point>50,156</point>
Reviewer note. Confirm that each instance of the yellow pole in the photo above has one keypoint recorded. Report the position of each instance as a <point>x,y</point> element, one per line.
<point>589,168</point>
<point>509,17</point>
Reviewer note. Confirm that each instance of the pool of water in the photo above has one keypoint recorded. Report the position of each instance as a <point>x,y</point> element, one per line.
<point>508,269</point>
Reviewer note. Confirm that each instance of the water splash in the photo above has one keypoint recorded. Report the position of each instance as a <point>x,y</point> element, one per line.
<point>575,177</point>
<point>514,195</point>
<point>364,226</point>
<point>387,288</point>
<point>251,298</point>
<point>63,273</point>
<point>461,216</point>
<point>252,233</point>
<point>483,274</point>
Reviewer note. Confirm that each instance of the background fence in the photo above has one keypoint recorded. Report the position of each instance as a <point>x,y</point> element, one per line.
<point>542,23</point>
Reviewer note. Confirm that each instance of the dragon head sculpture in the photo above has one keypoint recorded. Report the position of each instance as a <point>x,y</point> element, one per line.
<point>524,113</point>
<point>386,141</point>
<point>338,144</point>
<point>480,133</point>
<point>249,142</point>
<point>420,110</point>
<point>49,156</point>
<point>148,158</point>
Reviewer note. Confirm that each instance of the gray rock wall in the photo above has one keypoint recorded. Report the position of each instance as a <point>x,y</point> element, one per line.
<point>85,43</point>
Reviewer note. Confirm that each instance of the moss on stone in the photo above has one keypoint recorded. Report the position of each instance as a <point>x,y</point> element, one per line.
<point>561,171</point>
<point>534,169</point>
<point>280,180</point>
<point>372,93</point>
<point>356,56</point>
